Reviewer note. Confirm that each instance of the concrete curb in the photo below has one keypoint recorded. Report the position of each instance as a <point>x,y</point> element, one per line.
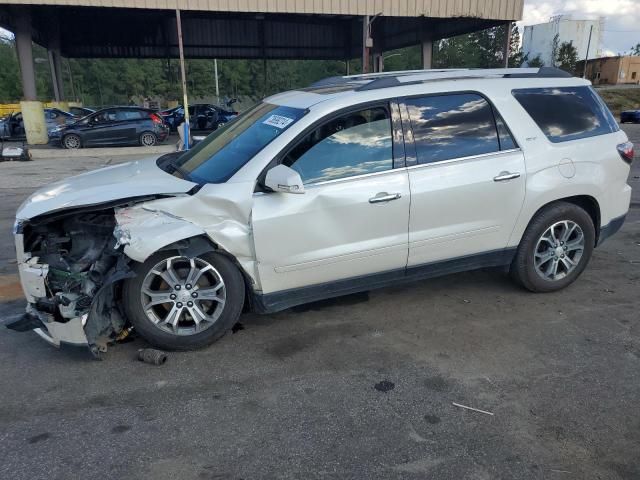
<point>47,153</point>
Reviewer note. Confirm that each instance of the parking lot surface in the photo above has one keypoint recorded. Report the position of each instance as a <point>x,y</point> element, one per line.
<point>359,387</point>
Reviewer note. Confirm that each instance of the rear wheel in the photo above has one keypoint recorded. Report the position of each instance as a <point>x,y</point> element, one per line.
<point>181,303</point>
<point>71,141</point>
<point>555,248</point>
<point>148,139</point>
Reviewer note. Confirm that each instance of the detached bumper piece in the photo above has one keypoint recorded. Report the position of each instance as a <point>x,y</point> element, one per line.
<point>55,333</point>
<point>26,322</point>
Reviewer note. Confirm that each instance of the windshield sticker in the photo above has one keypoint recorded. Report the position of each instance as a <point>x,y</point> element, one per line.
<point>278,121</point>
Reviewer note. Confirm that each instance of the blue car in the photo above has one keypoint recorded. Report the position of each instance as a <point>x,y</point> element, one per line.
<point>632,116</point>
<point>203,117</point>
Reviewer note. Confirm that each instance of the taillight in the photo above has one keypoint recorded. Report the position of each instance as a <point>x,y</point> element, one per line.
<point>626,151</point>
<point>156,118</point>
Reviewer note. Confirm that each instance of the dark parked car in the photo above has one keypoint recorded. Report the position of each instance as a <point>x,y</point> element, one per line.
<point>81,111</point>
<point>203,116</point>
<point>12,125</point>
<point>632,116</point>
<point>113,126</point>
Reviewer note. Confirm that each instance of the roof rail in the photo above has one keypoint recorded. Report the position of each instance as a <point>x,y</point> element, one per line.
<point>392,79</point>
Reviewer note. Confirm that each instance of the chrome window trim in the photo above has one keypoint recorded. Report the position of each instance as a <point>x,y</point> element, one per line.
<point>355,177</point>
<point>461,159</point>
<point>396,170</point>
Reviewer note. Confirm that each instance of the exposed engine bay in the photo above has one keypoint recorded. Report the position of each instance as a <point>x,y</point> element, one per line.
<point>70,268</point>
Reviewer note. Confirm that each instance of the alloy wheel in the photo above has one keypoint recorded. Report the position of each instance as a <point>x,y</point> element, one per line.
<point>183,296</point>
<point>71,142</point>
<point>559,250</point>
<point>148,139</point>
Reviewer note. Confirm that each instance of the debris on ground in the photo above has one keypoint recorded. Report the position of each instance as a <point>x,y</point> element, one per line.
<point>237,327</point>
<point>384,386</point>
<point>152,356</point>
<point>471,408</point>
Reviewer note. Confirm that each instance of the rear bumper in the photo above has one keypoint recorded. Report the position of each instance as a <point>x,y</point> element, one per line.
<point>611,228</point>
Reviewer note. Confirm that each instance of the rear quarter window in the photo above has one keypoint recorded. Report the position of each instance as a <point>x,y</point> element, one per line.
<point>567,113</point>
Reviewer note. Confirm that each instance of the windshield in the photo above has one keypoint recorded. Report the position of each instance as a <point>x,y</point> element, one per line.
<point>225,151</point>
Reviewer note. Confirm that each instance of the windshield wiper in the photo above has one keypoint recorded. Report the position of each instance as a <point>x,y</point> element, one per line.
<point>177,168</point>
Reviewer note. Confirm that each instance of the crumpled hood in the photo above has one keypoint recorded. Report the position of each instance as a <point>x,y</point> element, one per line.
<point>126,180</point>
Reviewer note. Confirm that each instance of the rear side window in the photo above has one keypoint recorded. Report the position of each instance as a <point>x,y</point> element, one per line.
<point>567,113</point>
<point>131,115</point>
<point>452,126</point>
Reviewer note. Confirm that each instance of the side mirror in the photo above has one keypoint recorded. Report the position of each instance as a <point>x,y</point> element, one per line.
<point>284,179</point>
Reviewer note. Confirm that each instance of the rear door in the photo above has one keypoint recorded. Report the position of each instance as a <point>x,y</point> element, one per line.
<point>130,123</point>
<point>467,177</point>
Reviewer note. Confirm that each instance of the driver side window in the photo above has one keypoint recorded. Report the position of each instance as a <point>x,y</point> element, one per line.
<point>353,144</point>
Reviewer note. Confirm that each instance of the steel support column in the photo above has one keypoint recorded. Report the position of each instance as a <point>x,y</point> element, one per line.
<point>507,45</point>
<point>427,53</point>
<point>185,102</point>
<point>25,53</point>
<point>366,44</point>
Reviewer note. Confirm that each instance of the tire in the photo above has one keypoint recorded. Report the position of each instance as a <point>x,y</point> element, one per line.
<point>158,326</point>
<point>71,141</point>
<point>542,248</point>
<point>148,139</point>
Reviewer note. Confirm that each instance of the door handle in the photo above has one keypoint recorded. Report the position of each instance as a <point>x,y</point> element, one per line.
<point>503,176</point>
<point>384,197</point>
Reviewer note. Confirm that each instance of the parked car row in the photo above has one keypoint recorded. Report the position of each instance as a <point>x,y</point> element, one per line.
<point>87,127</point>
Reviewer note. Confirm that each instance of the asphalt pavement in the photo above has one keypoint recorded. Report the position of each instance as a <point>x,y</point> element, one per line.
<point>360,387</point>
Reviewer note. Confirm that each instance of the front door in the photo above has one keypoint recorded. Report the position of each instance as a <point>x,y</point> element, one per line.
<point>352,219</point>
<point>467,181</point>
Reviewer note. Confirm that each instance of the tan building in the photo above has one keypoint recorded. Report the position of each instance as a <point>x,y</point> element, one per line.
<point>613,70</point>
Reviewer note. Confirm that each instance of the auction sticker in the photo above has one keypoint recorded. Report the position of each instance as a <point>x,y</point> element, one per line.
<point>278,121</point>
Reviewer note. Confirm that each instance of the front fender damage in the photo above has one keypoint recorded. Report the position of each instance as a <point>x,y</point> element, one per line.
<point>72,266</point>
<point>224,218</point>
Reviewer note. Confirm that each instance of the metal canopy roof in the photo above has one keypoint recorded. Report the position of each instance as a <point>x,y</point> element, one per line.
<point>485,9</point>
<point>273,29</point>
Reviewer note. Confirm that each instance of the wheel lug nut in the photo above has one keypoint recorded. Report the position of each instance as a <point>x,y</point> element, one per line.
<point>177,287</point>
<point>187,286</point>
<point>562,256</point>
<point>189,304</point>
<point>179,305</point>
<point>172,296</point>
<point>194,295</point>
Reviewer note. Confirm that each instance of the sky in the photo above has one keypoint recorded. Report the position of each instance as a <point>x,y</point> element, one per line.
<point>621,27</point>
<point>622,19</point>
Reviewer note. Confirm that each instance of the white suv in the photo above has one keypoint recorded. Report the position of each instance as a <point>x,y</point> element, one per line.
<point>352,184</point>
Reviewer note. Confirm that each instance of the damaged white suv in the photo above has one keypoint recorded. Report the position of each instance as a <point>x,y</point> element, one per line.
<point>351,184</point>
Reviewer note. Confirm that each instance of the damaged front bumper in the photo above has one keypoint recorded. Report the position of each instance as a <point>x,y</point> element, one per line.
<point>32,279</point>
<point>68,280</point>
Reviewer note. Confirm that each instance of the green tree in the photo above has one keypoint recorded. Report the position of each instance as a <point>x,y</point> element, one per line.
<point>567,57</point>
<point>535,62</point>
<point>555,46</point>
<point>635,50</point>
<point>516,55</point>
<point>10,90</point>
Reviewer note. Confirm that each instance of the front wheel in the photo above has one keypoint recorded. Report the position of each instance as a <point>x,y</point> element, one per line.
<point>555,248</point>
<point>71,141</point>
<point>181,303</point>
